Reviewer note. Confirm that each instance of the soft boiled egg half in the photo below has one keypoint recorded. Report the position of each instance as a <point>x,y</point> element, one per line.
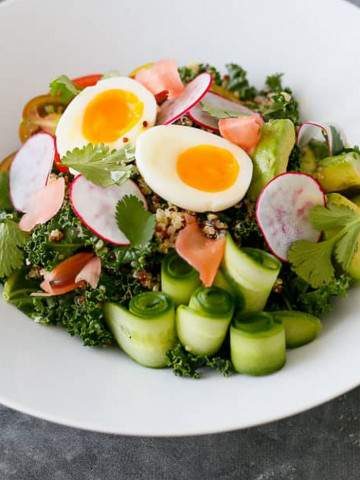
<point>193,169</point>
<point>114,111</point>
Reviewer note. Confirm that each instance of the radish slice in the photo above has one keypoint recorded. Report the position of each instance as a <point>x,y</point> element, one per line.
<point>214,100</point>
<point>194,91</point>
<point>95,206</point>
<point>43,205</point>
<point>282,211</point>
<point>31,168</point>
<point>334,137</point>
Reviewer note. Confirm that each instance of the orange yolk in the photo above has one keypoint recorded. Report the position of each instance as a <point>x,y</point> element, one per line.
<point>111,114</point>
<point>208,168</point>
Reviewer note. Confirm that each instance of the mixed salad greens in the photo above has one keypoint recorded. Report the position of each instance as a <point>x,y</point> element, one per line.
<point>181,213</point>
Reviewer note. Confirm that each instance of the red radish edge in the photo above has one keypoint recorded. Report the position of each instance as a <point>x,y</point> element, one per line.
<point>21,149</point>
<point>285,260</point>
<point>192,112</point>
<point>77,213</point>
<point>180,100</point>
<point>325,130</point>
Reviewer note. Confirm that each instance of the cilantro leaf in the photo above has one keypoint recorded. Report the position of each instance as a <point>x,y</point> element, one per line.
<point>64,88</point>
<point>347,246</point>
<point>312,261</point>
<point>218,112</point>
<point>11,241</point>
<point>5,202</point>
<point>134,221</point>
<point>331,217</point>
<point>100,165</point>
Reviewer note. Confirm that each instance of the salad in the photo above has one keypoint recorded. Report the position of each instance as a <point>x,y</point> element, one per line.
<point>180,213</point>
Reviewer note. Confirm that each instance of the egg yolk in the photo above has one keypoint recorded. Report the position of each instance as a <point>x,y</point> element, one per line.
<point>111,114</point>
<point>208,168</point>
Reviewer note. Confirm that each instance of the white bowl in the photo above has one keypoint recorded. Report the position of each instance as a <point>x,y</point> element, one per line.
<point>46,373</point>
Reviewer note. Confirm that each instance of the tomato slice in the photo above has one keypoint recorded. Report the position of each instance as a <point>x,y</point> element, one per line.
<point>87,80</point>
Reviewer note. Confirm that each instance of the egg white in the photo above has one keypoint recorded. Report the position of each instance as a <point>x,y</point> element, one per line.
<point>69,129</point>
<point>157,151</point>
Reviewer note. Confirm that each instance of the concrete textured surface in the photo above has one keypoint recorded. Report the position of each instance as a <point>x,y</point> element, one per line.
<point>321,444</point>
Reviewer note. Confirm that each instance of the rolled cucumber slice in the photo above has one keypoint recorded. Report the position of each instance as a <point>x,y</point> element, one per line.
<point>202,326</point>
<point>257,344</point>
<point>146,332</point>
<point>178,278</point>
<point>300,327</point>
<point>251,273</point>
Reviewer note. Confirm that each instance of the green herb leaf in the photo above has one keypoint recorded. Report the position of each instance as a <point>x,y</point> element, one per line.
<point>331,217</point>
<point>312,261</point>
<point>100,165</point>
<point>274,82</point>
<point>64,88</point>
<point>11,241</point>
<point>218,112</point>
<point>337,142</point>
<point>346,247</point>
<point>5,202</point>
<point>134,221</point>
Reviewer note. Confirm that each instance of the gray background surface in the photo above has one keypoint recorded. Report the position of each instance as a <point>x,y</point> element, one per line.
<point>321,444</point>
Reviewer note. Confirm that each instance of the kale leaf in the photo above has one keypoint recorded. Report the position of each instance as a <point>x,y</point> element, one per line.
<point>238,83</point>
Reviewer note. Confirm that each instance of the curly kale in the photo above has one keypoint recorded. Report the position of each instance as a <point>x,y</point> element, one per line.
<point>242,224</point>
<point>294,160</point>
<point>42,251</point>
<point>278,101</point>
<point>189,72</point>
<point>237,82</point>
<point>293,293</point>
<point>186,364</point>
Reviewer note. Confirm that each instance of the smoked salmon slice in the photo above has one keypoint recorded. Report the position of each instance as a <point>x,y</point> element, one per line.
<point>162,75</point>
<point>244,131</point>
<point>65,276</point>
<point>202,253</point>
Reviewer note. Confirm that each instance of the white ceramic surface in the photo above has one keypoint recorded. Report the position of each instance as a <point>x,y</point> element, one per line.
<point>46,373</point>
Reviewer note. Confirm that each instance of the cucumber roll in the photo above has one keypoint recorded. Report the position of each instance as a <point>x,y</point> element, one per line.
<point>251,272</point>
<point>178,278</point>
<point>202,326</point>
<point>300,327</point>
<point>145,331</point>
<point>257,344</point>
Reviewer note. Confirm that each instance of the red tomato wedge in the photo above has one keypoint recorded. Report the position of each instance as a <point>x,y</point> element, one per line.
<point>43,205</point>
<point>244,131</point>
<point>203,254</point>
<point>87,80</point>
<point>90,273</point>
<point>62,279</point>
<point>162,75</point>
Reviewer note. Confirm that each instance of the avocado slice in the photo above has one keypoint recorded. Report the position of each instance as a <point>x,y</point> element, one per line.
<point>272,153</point>
<point>339,173</point>
<point>356,200</point>
<point>311,153</point>
<point>340,200</point>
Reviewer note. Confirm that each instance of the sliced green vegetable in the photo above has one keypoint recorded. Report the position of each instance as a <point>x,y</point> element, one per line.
<point>178,278</point>
<point>356,200</point>
<point>300,327</point>
<point>251,273</point>
<point>339,173</point>
<point>257,344</point>
<point>272,153</point>
<point>202,326</point>
<point>17,290</point>
<point>146,332</point>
